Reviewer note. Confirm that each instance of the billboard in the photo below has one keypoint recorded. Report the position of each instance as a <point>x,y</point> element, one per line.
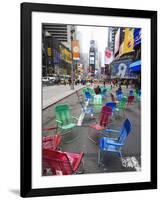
<point>120,69</point>
<point>108,56</point>
<point>65,54</point>
<point>75,49</point>
<point>127,45</point>
<point>137,36</point>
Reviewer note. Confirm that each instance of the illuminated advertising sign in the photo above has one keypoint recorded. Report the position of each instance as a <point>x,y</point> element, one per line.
<point>127,45</point>
<point>137,36</point>
<point>121,69</point>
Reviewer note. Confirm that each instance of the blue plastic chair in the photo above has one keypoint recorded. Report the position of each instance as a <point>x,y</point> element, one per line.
<point>87,110</point>
<point>131,93</point>
<point>88,96</point>
<point>119,95</point>
<point>114,144</point>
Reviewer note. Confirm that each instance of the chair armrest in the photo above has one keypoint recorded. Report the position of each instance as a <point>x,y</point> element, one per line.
<point>111,130</point>
<point>115,144</point>
<point>49,129</point>
<point>58,121</point>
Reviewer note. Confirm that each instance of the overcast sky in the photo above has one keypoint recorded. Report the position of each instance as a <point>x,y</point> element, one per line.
<point>99,34</point>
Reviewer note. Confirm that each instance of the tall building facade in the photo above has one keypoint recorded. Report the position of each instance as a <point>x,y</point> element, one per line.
<point>92,58</point>
<point>56,48</point>
<point>111,38</point>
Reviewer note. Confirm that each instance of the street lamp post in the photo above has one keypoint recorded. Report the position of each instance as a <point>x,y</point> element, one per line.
<point>72,66</point>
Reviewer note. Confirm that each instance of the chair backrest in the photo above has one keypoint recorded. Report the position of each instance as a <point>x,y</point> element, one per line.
<point>130,99</point>
<point>124,132</point>
<point>131,93</point>
<point>139,93</point>
<point>122,103</point>
<point>52,142</point>
<point>58,161</point>
<point>62,112</point>
<point>97,99</point>
<point>106,112</point>
<point>112,105</point>
<point>104,91</point>
<point>88,95</point>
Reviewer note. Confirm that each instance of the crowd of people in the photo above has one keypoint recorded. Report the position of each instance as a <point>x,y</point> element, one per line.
<point>135,83</point>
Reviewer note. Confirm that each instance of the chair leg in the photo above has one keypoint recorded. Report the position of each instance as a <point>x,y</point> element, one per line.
<point>99,157</point>
<point>120,154</point>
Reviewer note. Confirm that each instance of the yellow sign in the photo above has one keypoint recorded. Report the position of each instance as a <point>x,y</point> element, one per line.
<point>128,43</point>
<point>49,52</point>
<point>65,54</point>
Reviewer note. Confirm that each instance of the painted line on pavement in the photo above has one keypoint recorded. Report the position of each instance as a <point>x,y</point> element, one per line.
<point>82,115</point>
<point>131,162</point>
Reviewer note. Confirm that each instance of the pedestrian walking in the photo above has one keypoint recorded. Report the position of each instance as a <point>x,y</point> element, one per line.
<point>127,84</point>
<point>97,90</point>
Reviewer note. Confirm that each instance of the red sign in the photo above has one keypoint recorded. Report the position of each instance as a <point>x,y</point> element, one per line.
<point>108,56</point>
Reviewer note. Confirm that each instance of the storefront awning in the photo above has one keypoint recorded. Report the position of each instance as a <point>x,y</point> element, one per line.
<point>135,66</point>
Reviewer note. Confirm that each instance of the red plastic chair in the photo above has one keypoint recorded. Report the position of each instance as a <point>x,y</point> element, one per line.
<point>130,100</point>
<point>62,163</point>
<point>52,142</point>
<point>113,98</point>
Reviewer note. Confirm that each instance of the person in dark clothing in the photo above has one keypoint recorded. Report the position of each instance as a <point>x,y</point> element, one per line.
<point>127,84</point>
<point>97,90</point>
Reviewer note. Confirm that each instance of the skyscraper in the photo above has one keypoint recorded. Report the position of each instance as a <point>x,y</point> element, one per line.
<point>111,38</point>
<point>92,57</point>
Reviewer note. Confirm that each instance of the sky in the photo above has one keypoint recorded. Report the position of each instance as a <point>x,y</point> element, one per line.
<point>99,34</point>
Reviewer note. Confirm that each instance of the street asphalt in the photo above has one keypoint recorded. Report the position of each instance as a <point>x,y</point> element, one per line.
<point>111,161</point>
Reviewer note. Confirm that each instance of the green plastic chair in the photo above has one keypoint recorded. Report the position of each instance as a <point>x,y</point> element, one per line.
<point>121,105</point>
<point>97,103</point>
<point>65,121</point>
<point>109,89</point>
<point>91,90</point>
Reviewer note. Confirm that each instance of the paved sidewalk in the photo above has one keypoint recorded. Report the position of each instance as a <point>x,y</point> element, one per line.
<point>53,94</point>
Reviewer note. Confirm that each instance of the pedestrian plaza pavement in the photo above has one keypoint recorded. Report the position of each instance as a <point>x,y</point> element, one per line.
<point>131,151</point>
<point>53,94</point>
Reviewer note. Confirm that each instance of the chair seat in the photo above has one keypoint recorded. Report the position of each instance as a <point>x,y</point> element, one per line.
<point>88,110</point>
<point>107,143</point>
<point>97,127</point>
<point>68,126</point>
